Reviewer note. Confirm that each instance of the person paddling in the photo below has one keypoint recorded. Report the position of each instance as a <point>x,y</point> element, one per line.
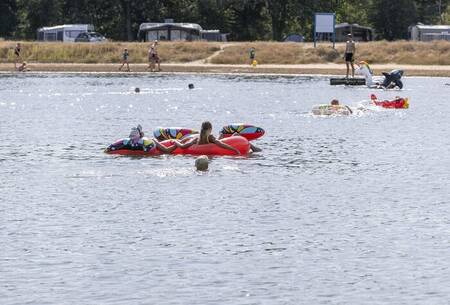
<point>335,104</point>
<point>350,49</point>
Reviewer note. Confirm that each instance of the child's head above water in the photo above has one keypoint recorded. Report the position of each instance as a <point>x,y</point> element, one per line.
<point>334,102</point>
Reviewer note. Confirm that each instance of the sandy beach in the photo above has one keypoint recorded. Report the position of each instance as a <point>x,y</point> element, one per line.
<point>322,69</point>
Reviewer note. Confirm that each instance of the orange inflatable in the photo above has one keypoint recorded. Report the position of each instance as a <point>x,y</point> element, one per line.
<point>238,142</point>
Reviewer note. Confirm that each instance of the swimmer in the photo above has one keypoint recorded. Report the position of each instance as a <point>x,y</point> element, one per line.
<point>335,104</point>
<point>206,137</point>
<point>137,141</point>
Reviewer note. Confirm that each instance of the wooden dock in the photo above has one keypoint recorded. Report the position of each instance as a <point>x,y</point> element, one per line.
<point>348,81</point>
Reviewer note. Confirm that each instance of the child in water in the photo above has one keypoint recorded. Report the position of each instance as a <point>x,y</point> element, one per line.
<point>335,103</point>
<point>206,137</point>
<point>137,141</point>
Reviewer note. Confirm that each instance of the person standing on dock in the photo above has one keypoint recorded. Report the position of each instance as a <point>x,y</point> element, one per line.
<point>18,57</point>
<point>350,50</point>
<point>125,56</point>
<point>153,57</point>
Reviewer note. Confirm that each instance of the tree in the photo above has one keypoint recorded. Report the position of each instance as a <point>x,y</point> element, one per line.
<point>431,12</point>
<point>279,12</point>
<point>249,20</point>
<point>391,19</point>
<point>39,13</point>
<point>8,18</point>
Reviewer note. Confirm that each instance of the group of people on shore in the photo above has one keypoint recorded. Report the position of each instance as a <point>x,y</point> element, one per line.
<point>154,61</point>
<point>153,58</point>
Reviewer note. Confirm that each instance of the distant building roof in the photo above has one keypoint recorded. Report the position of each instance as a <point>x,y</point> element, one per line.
<point>432,27</point>
<point>56,27</point>
<point>345,24</point>
<point>159,25</point>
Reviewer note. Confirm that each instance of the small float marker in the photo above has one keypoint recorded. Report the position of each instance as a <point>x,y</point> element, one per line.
<point>191,86</point>
<point>201,163</point>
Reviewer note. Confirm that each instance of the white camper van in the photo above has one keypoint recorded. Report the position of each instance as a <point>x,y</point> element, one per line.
<point>64,33</point>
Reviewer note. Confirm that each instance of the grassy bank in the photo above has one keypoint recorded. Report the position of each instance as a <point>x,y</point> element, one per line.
<point>110,52</point>
<point>382,52</point>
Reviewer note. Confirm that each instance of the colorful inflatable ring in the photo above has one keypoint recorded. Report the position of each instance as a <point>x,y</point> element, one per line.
<point>240,143</point>
<point>247,131</point>
<point>328,109</point>
<point>176,133</point>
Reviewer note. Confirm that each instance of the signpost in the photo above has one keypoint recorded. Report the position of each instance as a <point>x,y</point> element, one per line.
<point>324,23</point>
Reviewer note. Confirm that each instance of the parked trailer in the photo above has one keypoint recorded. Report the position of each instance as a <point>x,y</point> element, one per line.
<point>64,33</point>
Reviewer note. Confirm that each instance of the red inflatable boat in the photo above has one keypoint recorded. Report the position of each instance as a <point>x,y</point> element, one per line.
<point>397,103</point>
<point>238,142</point>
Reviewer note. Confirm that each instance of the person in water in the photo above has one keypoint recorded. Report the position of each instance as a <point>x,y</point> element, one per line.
<point>18,56</point>
<point>205,137</point>
<point>350,50</point>
<point>125,56</point>
<point>335,104</point>
<point>137,141</point>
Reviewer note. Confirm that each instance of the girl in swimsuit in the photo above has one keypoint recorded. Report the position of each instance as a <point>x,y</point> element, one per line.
<point>206,137</point>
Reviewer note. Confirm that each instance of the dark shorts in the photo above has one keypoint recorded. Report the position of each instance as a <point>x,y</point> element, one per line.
<point>349,57</point>
<point>154,58</point>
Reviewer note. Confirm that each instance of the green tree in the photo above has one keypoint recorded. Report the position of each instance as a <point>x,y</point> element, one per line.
<point>391,19</point>
<point>38,13</point>
<point>8,18</point>
<point>249,20</point>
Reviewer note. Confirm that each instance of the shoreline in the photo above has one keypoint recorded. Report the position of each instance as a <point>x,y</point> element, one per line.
<point>200,68</point>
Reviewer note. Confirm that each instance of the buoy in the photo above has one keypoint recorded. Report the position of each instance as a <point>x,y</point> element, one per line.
<point>201,163</point>
<point>191,86</point>
<point>254,63</point>
<point>137,90</point>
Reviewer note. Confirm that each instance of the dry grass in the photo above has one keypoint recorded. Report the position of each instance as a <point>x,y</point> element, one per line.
<point>381,52</point>
<point>56,52</point>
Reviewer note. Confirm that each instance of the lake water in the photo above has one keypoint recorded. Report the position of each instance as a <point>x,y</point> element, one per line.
<point>339,210</point>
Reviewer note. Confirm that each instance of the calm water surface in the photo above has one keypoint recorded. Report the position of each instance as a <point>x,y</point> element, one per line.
<point>333,211</point>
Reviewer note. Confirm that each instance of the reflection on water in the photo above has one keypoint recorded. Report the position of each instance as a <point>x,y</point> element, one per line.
<point>335,210</point>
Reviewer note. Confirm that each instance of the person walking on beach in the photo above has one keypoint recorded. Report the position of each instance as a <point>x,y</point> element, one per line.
<point>125,55</point>
<point>252,55</point>
<point>18,57</point>
<point>350,50</point>
<point>153,57</point>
